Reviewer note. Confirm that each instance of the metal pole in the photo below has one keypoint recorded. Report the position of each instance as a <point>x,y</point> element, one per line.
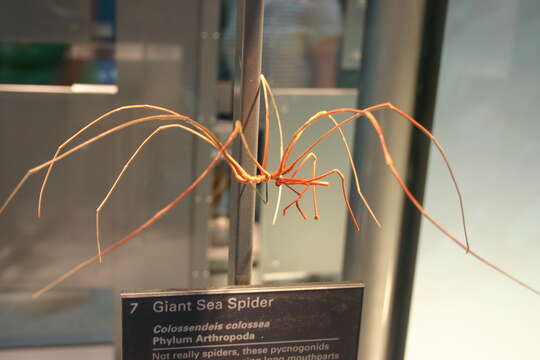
<point>249,27</point>
<point>392,47</point>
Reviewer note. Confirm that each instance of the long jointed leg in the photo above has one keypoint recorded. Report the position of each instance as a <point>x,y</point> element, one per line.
<point>396,175</point>
<point>412,198</point>
<point>299,196</point>
<point>251,156</point>
<point>313,187</point>
<point>337,126</point>
<point>83,129</point>
<point>127,124</point>
<point>119,176</point>
<point>446,162</point>
<point>145,225</point>
<point>355,174</point>
<point>267,90</point>
<point>375,124</point>
<point>295,202</point>
<point>343,189</point>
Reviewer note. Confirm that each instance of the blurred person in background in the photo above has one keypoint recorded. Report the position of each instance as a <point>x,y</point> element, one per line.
<point>300,45</point>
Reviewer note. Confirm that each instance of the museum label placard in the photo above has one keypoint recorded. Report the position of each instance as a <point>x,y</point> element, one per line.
<point>295,322</point>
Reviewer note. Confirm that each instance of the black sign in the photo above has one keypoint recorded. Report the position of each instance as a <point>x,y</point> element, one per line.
<point>299,322</point>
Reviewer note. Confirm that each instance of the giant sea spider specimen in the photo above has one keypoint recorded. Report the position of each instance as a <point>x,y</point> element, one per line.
<point>284,176</point>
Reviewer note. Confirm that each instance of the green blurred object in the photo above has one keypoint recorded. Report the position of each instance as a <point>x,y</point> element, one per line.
<point>31,63</point>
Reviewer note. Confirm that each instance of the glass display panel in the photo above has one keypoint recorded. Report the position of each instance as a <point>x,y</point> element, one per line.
<point>79,57</point>
<point>486,118</point>
<point>151,47</point>
<point>307,44</point>
<point>311,52</point>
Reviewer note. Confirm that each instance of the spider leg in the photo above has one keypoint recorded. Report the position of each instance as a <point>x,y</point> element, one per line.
<point>311,155</point>
<point>127,164</point>
<point>390,164</point>
<point>146,224</point>
<point>355,173</point>
<point>343,189</point>
<point>295,202</point>
<point>446,162</point>
<point>201,128</point>
<point>267,90</point>
<point>83,129</point>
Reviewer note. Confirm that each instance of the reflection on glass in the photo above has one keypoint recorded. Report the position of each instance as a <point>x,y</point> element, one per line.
<point>306,44</point>
<point>25,61</point>
<point>301,42</point>
<point>486,115</point>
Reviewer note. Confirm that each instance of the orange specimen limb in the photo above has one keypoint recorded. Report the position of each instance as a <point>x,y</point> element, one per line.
<point>148,222</point>
<point>263,175</point>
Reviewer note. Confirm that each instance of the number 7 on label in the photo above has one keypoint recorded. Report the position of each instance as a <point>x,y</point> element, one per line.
<point>133,307</point>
